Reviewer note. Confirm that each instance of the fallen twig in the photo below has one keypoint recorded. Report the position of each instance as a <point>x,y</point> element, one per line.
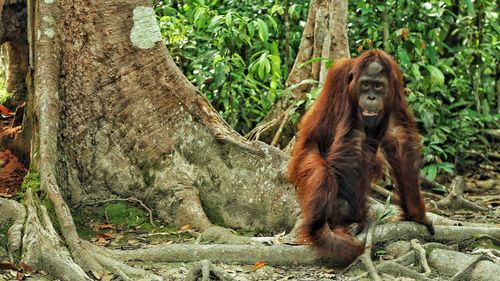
<point>282,125</point>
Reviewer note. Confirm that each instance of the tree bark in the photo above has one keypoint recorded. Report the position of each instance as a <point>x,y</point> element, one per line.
<point>129,124</point>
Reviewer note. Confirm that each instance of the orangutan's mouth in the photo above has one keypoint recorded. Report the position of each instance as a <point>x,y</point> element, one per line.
<point>367,113</point>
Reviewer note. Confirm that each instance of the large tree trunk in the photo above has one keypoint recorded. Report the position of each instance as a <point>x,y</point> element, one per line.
<point>111,116</point>
<point>324,37</point>
<point>130,124</point>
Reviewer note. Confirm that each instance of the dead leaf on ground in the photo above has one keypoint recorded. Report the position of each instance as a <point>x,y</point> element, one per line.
<point>7,265</point>
<point>185,228</point>
<point>133,241</point>
<point>100,241</point>
<point>258,265</point>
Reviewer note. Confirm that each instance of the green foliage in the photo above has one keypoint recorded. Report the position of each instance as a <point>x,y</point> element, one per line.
<point>233,52</point>
<point>448,52</point>
<point>121,213</point>
<point>382,215</point>
<point>4,95</point>
<point>31,180</point>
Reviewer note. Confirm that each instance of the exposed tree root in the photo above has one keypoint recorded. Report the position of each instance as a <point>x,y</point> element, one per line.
<point>463,266</point>
<point>43,248</point>
<point>455,198</point>
<point>426,183</point>
<point>114,264</point>
<point>191,212</point>
<point>492,254</point>
<point>436,219</point>
<point>366,257</point>
<point>11,210</point>
<point>279,254</point>
<point>465,274</point>
<point>392,268</point>
<point>421,255</point>
<point>395,267</point>
<point>43,244</point>
<point>220,234</point>
<point>380,190</point>
<point>409,230</point>
<point>206,271</point>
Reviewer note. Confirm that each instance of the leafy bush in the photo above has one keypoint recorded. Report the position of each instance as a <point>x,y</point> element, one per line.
<point>4,95</point>
<point>233,52</point>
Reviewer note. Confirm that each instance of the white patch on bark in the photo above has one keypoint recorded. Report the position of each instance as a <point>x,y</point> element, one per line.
<point>49,1</point>
<point>48,19</point>
<point>145,33</point>
<point>49,32</point>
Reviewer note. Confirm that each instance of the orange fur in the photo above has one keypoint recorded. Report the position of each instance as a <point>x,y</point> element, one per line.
<point>334,159</point>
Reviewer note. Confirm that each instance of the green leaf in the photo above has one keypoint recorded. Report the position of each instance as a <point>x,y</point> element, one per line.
<point>215,21</point>
<point>291,10</point>
<point>447,167</point>
<point>313,60</point>
<point>470,7</point>
<point>272,22</point>
<point>403,57</point>
<point>437,77</point>
<point>275,8</point>
<point>431,172</point>
<point>485,107</point>
<point>229,19</point>
<point>416,71</point>
<point>263,30</point>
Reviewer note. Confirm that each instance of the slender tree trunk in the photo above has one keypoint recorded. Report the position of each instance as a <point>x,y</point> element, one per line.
<point>317,42</point>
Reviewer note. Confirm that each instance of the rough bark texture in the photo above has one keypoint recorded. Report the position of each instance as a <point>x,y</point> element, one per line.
<point>130,124</point>
<point>317,42</point>
<point>320,42</point>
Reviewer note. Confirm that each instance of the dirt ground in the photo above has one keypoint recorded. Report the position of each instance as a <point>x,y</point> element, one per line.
<point>12,173</point>
<point>483,188</point>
